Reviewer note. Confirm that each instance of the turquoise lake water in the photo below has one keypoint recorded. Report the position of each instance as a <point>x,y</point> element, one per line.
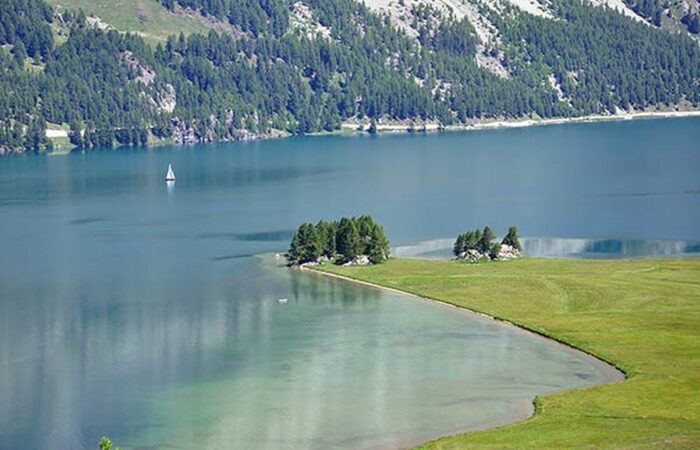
<point>139,311</point>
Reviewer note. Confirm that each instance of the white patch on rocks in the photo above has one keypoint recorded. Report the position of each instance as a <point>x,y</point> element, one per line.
<point>505,253</point>
<point>556,87</point>
<point>472,256</point>
<point>362,260</point>
<point>146,74</point>
<point>164,100</point>
<point>508,252</point>
<point>168,100</point>
<point>302,18</point>
<point>487,54</point>
<point>619,6</point>
<point>96,22</point>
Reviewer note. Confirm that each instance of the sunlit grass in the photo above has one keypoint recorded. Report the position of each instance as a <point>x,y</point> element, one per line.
<point>642,315</point>
<point>147,17</point>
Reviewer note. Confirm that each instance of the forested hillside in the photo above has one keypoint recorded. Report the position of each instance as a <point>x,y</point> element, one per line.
<point>300,67</point>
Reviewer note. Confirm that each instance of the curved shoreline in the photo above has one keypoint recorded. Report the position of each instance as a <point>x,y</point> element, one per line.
<point>534,411</point>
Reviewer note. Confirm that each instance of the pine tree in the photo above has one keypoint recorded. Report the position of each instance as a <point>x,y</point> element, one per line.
<point>512,239</point>
<point>487,236</point>
<point>459,246</point>
<point>379,245</point>
<point>348,239</point>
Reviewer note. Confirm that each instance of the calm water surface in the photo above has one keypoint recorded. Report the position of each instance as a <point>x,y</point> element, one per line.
<point>141,312</point>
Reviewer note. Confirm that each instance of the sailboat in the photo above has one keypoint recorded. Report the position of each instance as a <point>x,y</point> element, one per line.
<point>170,176</point>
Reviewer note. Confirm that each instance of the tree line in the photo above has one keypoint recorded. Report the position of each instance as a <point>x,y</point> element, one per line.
<point>482,242</point>
<point>341,241</point>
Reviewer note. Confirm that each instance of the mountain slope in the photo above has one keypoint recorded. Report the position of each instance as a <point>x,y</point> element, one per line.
<point>277,66</point>
<point>148,18</point>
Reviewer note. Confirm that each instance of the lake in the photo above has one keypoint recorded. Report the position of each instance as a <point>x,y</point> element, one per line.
<point>145,313</point>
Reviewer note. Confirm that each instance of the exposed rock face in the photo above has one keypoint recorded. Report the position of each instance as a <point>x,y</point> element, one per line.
<point>168,99</point>
<point>472,256</point>
<point>362,260</point>
<point>321,260</point>
<point>145,76</point>
<point>303,19</point>
<point>507,252</point>
<point>184,133</point>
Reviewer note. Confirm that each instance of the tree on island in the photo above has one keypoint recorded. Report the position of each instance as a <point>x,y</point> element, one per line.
<point>512,239</point>
<point>348,240</point>
<point>487,236</point>
<point>479,244</point>
<point>327,236</point>
<point>306,244</point>
<point>354,240</point>
<point>378,246</point>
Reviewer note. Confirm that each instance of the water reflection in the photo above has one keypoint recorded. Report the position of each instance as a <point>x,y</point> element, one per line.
<point>608,248</point>
<point>129,311</point>
<point>565,247</point>
<point>170,185</point>
<point>221,366</point>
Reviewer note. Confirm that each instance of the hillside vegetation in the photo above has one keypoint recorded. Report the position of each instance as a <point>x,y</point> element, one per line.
<point>277,66</point>
<point>642,315</point>
<point>147,18</point>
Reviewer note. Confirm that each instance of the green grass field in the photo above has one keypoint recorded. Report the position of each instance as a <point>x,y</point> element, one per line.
<point>641,315</point>
<point>146,17</point>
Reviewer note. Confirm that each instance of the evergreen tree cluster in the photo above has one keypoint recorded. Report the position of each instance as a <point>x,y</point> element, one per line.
<point>253,16</point>
<point>692,21</point>
<point>482,241</point>
<point>114,89</point>
<point>341,241</point>
<point>651,10</point>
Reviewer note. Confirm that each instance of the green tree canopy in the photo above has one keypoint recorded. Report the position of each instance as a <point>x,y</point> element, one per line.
<point>512,238</point>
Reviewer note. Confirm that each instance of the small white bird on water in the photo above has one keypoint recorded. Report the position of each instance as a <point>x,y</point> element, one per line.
<point>282,300</point>
<point>170,176</point>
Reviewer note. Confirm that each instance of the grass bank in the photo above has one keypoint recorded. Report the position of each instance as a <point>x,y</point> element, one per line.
<point>641,315</point>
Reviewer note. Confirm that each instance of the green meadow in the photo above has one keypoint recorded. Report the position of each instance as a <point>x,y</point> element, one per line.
<point>146,17</point>
<point>641,315</point>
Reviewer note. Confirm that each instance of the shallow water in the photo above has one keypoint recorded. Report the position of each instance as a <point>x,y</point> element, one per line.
<point>135,310</point>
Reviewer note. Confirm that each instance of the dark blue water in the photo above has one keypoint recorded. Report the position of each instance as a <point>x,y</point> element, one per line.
<point>135,310</point>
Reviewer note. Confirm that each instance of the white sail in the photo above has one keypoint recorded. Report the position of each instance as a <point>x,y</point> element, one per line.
<point>171,175</point>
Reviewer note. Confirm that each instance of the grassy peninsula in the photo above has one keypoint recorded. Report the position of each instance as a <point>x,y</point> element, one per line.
<point>641,315</point>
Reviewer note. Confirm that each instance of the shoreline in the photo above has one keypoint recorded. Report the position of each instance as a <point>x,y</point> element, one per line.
<point>538,333</point>
<point>495,124</point>
<point>352,128</point>
<point>617,373</point>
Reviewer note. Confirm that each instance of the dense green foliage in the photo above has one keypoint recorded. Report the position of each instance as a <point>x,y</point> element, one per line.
<point>692,21</point>
<point>642,315</point>
<point>341,241</point>
<point>512,239</point>
<point>649,9</point>
<point>106,444</point>
<point>481,241</point>
<point>255,16</point>
<point>113,88</point>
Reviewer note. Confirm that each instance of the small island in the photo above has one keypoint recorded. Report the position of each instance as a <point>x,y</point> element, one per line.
<point>350,241</point>
<point>476,245</point>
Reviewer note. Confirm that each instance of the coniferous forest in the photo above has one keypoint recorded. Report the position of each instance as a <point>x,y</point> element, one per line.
<point>113,88</point>
<point>350,240</point>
